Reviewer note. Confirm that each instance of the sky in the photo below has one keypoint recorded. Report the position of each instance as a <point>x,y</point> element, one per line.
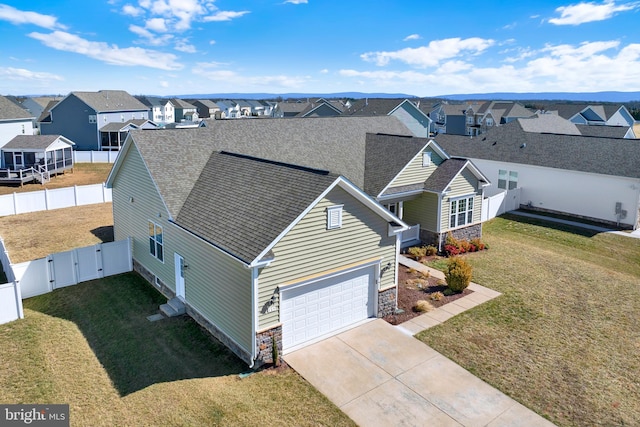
<point>415,47</point>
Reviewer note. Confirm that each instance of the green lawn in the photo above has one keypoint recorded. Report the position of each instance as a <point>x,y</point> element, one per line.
<point>91,346</point>
<point>564,338</point>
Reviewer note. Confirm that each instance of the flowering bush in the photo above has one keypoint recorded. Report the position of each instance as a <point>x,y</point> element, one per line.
<point>455,246</point>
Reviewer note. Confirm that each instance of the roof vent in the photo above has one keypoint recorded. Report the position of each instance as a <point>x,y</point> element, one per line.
<point>524,144</point>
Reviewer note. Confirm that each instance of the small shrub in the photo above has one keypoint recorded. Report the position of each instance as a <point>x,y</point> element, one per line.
<point>430,250</point>
<point>437,296</point>
<point>478,244</point>
<point>457,274</point>
<point>441,282</point>
<point>411,270</point>
<point>422,306</point>
<point>425,274</point>
<point>416,251</point>
<point>448,292</point>
<point>274,351</point>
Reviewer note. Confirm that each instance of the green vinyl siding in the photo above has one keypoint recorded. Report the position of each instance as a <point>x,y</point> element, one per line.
<point>422,210</point>
<point>465,184</point>
<point>216,285</point>
<point>309,248</point>
<point>415,173</point>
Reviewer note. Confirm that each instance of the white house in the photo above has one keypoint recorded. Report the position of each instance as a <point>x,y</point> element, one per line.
<point>14,121</point>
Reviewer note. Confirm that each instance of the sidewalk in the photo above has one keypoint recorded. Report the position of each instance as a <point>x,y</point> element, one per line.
<point>441,314</point>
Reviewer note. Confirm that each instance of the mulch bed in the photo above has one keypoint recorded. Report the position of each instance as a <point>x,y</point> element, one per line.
<point>414,286</point>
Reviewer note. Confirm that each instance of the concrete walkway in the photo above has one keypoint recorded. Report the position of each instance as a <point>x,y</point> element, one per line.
<point>634,234</point>
<point>380,376</point>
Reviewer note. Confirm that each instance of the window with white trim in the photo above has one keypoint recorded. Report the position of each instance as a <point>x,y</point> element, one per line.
<point>334,217</point>
<point>507,179</point>
<point>92,118</point>
<point>156,241</point>
<point>489,122</point>
<point>461,212</point>
<point>426,159</point>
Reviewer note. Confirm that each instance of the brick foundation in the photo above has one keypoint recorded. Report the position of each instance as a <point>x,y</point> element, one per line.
<point>387,302</point>
<point>264,342</point>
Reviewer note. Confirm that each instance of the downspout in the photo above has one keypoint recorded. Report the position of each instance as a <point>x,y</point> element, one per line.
<point>439,222</point>
<point>254,314</point>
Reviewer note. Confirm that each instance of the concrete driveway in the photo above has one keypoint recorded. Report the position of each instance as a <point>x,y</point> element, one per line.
<point>381,376</point>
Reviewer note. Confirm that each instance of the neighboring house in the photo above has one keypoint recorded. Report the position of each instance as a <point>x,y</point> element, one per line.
<point>289,109</point>
<point>496,113</point>
<point>14,120</point>
<point>206,108</point>
<point>588,177</point>
<point>593,114</point>
<point>161,110</point>
<point>321,108</point>
<point>403,109</point>
<point>449,118</point>
<point>264,243</point>
<point>113,135</point>
<point>228,110</point>
<point>184,111</point>
<point>35,157</point>
<point>607,131</point>
<point>80,115</point>
<point>246,109</point>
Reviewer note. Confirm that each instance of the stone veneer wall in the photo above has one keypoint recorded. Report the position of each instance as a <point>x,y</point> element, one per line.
<point>151,278</point>
<point>264,341</point>
<point>387,302</point>
<point>438,239</point>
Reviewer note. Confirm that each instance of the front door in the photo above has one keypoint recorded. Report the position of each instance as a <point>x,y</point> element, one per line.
<point>179,267</point>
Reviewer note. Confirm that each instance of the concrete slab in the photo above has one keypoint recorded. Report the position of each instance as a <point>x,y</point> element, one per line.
<point>336,370</point>
<point>517,416</point>
<point>425,321</point>
<point>439,315</point>
<point>453,308</point>
<point>411,328</point>
<point>155,317</point>
<point>465,302</point>
<point>454,390</point>
<point>478,297</point>
<point>395,353</point>
<point>395,401</point>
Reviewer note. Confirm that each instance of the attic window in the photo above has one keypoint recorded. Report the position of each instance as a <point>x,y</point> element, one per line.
<point>426,159</point>
<point>334,217</point>
<point>92,118</point>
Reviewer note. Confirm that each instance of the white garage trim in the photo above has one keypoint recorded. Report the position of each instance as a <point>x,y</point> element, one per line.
<point>320,307</point>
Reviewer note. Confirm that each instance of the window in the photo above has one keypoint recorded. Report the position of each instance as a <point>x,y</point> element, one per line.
<point>507,179</point>
<point>461,212</point>
<point>426,159</point>
<point>395,208</point>
<point>489,122</point>
<point>470,120</point>
<point>92,118</point>
<point>156,244</point>
<point>334,217</point>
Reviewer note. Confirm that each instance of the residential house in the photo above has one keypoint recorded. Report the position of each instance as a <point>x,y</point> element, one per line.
<point>228,110</point>
<point>322,108</point>
<point>593,114</point>
<point>14,120</point>
<point>29,158</point>
<point>206,108</point>
<point>286,109</point>
<point>113,135</point>
<point>405,110</point>
<point>233,238</point>
<point>594,178</point>
<point>496,113</point>
<point>184,111</point>
<point>161,110</point>
<point>79,116</point>
<point>449,118</point>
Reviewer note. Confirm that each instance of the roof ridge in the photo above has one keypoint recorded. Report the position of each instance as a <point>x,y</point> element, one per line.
<point>273,162</point>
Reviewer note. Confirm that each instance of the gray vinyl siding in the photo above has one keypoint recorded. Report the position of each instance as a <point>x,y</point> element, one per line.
<point>415,173</point>
<point>216,285</point>
<point>309,248</point>
<point>70,118</point>
<point>463,184</point>
<point>456,125</point>
<point>413,119</point>
<point>422,210</point>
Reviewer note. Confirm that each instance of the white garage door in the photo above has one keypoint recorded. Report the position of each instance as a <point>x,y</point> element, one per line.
<point>324,306</point>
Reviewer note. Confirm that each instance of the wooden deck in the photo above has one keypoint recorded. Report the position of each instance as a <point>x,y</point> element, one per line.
<point>26,175</point>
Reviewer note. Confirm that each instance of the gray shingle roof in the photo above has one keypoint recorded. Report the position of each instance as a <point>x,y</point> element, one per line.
<point>444,174</point>
<point>110,100</point>
<point>118,126</point>
<point>510,144</point>
<point>548,123</point>
<point>603,131</point>
<point>180,103</point>
<point>31,142</point>
<point>176,158</point>
<point>241,204</point>
<point>10,111</point>
<point>373,106</point>
<point>386,156</point>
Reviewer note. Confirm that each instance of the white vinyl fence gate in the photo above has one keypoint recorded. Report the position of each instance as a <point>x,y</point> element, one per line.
<point>72,267</point>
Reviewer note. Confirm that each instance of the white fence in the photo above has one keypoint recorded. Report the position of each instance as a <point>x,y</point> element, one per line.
<point>95,156</point>
<point>10,297</point>
<point>500,203</point>
<point>42,200</point>
<point>72,267</point>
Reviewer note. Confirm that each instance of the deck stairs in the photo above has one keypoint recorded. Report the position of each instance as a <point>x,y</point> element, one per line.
<point>174,307</point>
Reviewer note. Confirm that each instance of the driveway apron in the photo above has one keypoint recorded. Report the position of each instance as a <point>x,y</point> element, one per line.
<point>380,376</point>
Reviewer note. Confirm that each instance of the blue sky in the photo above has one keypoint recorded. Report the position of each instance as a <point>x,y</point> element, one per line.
<point>422,48</point>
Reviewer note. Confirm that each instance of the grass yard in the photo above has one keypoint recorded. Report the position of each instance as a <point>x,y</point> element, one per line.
<point>91,346</point>
<point>564,338</point>
<point>83,174</point>
<point>37,234</point>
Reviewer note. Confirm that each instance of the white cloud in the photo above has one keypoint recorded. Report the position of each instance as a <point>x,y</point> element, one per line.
<point>581,13</point>
<point>433,54</point>
<point>151,38</point>
<point>324,71</point>
<point>164,83</point>
<point>158,25</point>
<point>589,66</point>
<point>110,54</point>
<point>297,1</point>
<point>21,74</point>
<point>412,37</point>
<point>212,42</point>
<point>15,16</point>
<point>183,46</point>
<point>224,16</point>
<point>211,71</point>
<point>130,10</point>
